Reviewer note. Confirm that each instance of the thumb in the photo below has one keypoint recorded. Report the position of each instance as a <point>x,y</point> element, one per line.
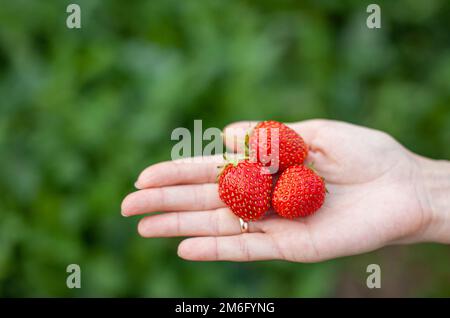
<point>234,135</point>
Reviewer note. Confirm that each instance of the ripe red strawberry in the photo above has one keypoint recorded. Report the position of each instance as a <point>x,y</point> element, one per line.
<point>299,191</point>
<point>246,189</point>
<point>288,150</point>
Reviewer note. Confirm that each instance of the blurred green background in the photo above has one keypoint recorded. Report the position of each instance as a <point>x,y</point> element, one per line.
<point>82,112</point>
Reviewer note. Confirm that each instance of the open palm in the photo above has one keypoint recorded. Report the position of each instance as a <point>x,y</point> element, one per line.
<point>375,199</point>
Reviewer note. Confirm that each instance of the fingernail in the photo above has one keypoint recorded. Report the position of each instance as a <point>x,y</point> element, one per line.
<point>122,210</point>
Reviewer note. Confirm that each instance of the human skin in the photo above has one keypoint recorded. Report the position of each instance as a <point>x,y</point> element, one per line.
<point>379,194</point>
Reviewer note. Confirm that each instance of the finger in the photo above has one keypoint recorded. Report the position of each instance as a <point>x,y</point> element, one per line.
<point>218,222</point>
<point>239,248</point>
<point>175,198</point>
<point>313,133</point>
<point>308,129</point>
<point>186,171</point>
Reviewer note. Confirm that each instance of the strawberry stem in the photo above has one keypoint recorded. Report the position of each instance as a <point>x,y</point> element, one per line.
<point>311,166</point>
<point>246,146</point>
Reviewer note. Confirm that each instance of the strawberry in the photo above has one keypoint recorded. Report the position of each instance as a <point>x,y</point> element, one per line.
<point>299,191</point>
<point>288,150</point>
<point>246,189</point>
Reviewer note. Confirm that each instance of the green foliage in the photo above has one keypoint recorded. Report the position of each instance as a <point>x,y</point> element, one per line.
<point>83,111</point>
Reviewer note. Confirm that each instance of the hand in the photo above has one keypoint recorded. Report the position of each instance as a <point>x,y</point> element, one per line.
<point>377,196</point>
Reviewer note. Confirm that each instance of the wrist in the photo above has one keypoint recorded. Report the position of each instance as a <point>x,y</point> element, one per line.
<point>436,185</point>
